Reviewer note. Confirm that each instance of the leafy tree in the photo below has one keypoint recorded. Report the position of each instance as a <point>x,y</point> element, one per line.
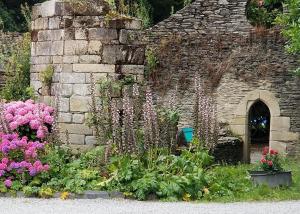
<point>291,27</point>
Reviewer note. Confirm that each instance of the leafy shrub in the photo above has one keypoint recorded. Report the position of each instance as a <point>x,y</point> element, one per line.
<point>263,12</point>
<point>17,72</point>
<point>157,173</point>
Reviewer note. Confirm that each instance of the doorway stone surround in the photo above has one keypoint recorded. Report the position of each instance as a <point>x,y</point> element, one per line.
<point>280,134</point>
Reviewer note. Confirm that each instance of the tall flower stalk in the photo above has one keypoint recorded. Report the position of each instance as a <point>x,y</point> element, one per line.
<point>205,117</point>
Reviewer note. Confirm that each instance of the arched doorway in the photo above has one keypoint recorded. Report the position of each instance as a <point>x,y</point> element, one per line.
<point>259,120</point>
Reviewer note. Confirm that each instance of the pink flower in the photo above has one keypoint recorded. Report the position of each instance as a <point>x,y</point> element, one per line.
<point>40,133</point>
<point>8,183</point>
<point>9,117</point>
<point>34,124</point>
<point>48,119</point>
<point>46,167</point>
<point>5,160</point>
<point>13,125</point>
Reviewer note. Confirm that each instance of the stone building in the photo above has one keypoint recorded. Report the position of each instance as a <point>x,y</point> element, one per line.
<point>245,68</point>
<point>77,41</point>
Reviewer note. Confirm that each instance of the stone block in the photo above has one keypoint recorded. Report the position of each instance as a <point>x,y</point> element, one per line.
<point>81,47</point>
<point>91,140</point>
<point>280,123</point>
<point>78,118</point>
<point>76,139</point>
<point>82,89</point>
<point>95,47</point>
<point>44,35</point>
<point>43,48</point>
<point>134,24</point>
<point>130,37</point>
<point>132,69</point>
<point>89,59</point>
<point>97,76</point>
<point>36,85</point>
<point>36,60</point>
<point>51,8</point>
<point>81,34</point>
<point>76,47</point>
<point>115,54</point>
<point>80,103</point>
<point>72,78</point>
<point>94,68</point>
<point>283,136</point>
<point>38,68</point>
<point>238,129</point>
<point>41,24</point>
<point>57,59</point>
<point>67,68</point>
<point>65,117</point>
<point>103,34</point>
<point>57,48</point>
<point>70,59</point>
<point>66,90</point>
<point>70,47</point>
<point>64,104</point>
<point>80,129</point>
<point>54,23</point>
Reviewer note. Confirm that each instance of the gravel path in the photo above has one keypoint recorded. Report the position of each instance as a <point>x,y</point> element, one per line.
<point>57,206</point>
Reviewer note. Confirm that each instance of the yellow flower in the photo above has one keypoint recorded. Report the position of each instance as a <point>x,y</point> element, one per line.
<point>64,195</point>
<point>186,197</point>
<point>206,191</point>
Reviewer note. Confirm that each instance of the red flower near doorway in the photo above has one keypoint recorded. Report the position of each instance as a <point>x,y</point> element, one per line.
<point>270,160</point>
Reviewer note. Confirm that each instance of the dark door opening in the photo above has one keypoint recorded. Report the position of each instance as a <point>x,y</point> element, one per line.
<point>259,129</point>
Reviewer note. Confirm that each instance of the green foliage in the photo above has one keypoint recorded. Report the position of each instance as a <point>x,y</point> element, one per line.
<point>263,13</point>
<point>152,63</point>
<point>291,27</point>
<point>158,173</point>
<point>17,72</point>
<point>46,75</point>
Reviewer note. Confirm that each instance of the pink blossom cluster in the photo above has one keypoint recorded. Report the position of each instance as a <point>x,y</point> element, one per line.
<point>27,154</point>
<point>37,116</point>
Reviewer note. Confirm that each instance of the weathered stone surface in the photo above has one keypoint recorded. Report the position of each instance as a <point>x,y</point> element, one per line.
<point>94,68</point>
<point>132,69</point>
<point>76,129</point>
<point>66,90</point>
<point>95,47</point>
<point>43,48</point>
<point>72,78</point>
<point>64,105</point>
<point>90,140</point>
<point>103,34</point>
<point>90,59</point>
<point>82,89</point>
<point>121,54</point>
<point>65,118</point>
<point>76,139</point>
<point>57,48</point>
<point>80,103</point>
<point>78,118</point>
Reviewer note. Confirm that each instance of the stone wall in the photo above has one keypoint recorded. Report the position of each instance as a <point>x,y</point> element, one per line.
<point>7,42</point>
<point>79,42</point>
<point>238,64</point>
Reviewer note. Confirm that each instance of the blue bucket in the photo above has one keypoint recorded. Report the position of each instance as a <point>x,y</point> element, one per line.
<point>188,134</point>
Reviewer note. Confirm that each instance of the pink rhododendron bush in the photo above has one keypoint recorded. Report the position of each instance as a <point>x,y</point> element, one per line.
<point>24,128</point>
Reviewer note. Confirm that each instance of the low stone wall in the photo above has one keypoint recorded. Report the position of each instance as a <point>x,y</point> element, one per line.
<point>79,42</point>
